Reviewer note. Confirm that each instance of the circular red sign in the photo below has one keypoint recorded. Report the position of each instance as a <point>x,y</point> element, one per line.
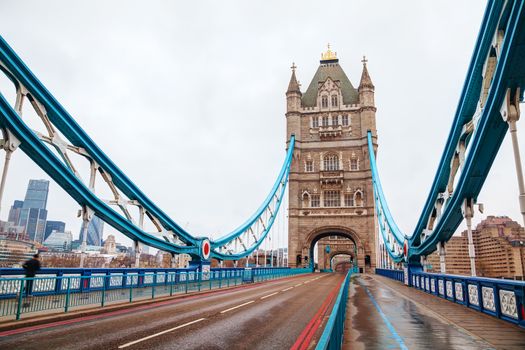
<point>206,249</point>
<point>405,248</point>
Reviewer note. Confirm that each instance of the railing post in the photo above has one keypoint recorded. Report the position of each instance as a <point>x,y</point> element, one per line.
<point>66,307</point>
<point>152,286</point>
<point>103,299</point>
<point>187,278</point>
<point>20,299</point>
<point>130,289</point>
<point>171,282</point>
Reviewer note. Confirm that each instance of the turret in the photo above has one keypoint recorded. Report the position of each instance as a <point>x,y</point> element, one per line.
<point>366,101</point>
<point>293,94</point>
<point>366,87</point>
<point>293,106</point>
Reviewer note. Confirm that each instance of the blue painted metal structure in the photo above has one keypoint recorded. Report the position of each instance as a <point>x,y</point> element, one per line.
<point>504,299</point>
<point>332,337</point>
<point>55,289</point>
<point>496,73</point>
<point>173,238</point>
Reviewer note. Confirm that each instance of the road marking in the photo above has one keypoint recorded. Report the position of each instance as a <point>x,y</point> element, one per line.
<point>386,321</point>
<point>160,333</point>
<point>236,307</point>
<point>287,289</point>
<point>297,285</point>
<point>269,295</point>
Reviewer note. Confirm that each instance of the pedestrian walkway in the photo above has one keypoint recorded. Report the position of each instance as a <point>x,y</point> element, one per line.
<point>385,314</point>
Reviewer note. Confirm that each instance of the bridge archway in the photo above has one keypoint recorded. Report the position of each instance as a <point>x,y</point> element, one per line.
<point>316,235</point>
<point>334,257</point>
<point>341,263</point>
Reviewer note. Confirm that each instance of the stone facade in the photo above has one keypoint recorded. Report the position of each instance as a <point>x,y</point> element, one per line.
<point>330,184</point>
<point>499,243</point>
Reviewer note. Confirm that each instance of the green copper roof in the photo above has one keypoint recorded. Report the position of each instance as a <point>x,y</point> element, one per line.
<point>332,70</point>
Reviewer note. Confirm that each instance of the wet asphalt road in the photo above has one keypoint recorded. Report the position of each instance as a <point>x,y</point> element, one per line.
<point>247,318</point>
<point>380,318</point>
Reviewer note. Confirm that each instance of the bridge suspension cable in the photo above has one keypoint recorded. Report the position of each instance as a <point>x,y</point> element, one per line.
<point>129,209</point>
<point>494,85</point>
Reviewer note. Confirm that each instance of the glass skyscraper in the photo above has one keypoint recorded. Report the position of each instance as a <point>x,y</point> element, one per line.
<point>94,232</point>
<point>51,226</point>
<point>14,212</point>
<point>33,214</point>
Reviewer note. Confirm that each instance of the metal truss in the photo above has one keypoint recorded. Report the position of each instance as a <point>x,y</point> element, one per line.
<point>494,81</point>
<point>128,210</point>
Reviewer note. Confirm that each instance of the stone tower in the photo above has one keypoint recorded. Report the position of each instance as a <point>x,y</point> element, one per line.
<point>330,184</point>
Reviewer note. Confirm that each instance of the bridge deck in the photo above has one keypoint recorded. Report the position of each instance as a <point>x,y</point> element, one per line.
<point>275,315</point>
<point>385,314</point>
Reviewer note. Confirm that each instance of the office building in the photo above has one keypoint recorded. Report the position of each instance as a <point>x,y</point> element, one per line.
<point>58,226</point>
<point>95,231</point>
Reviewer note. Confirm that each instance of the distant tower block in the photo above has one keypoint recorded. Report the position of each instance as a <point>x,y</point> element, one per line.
<point>330,185</point>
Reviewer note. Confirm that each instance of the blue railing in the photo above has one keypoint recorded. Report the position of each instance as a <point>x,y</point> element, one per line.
<point>397,275</point>
<point>504,299</point>
<point>55,289</point>
<point>332,337</point>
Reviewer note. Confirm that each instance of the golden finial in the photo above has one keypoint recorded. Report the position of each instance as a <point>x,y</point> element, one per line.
<point>329,55</point>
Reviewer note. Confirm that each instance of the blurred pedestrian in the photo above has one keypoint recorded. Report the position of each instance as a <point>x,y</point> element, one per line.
<point>31,266</point>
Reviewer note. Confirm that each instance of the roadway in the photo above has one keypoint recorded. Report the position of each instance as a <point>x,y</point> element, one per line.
<point>281,314</point>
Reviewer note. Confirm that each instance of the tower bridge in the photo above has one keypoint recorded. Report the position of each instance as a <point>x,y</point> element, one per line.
<point>380,295</point>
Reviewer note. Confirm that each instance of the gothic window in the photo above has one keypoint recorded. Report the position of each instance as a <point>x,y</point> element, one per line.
<point>349,200</point>
<point>324,101</point>
<point>332,199</point>
<point>305,199</point>
<point>325,121</point>
<point>354,164</point>
<point>334,100</point>
<point>309,166</point>
<point>335,121</point>
<point>345,120</point>
<point>315,201</point>
<point>331,162</point>
<point>358,198</point>
<point>315,122</point>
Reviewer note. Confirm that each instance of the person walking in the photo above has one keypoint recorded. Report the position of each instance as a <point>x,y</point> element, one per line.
<point>31,266</point>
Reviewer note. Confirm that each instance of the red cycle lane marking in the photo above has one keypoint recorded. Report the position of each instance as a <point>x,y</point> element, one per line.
<point>308,332</point>
<point>126,311</point>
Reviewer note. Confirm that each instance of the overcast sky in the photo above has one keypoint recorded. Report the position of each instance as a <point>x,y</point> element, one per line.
<point>188,97</point>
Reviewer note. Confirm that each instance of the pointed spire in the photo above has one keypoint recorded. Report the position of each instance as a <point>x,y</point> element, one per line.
<point>293,86</point>
<point>365,77</point>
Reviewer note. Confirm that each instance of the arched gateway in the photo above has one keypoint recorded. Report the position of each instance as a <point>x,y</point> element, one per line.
<point>330,184</point>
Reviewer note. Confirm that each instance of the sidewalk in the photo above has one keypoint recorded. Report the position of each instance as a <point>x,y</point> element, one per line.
<point>479,327</point>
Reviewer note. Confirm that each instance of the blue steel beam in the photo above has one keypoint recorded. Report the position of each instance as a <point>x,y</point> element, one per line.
<point>32,145</point>
<point>484,142</point>
<point>487,138</point>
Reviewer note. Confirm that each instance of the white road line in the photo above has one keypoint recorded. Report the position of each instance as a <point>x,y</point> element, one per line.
<point>307,282</point>
<point>160,333</point>
<point>269,295</point>
<point>297,285</point>
<point>236,307</point>
<point>287,289</point>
